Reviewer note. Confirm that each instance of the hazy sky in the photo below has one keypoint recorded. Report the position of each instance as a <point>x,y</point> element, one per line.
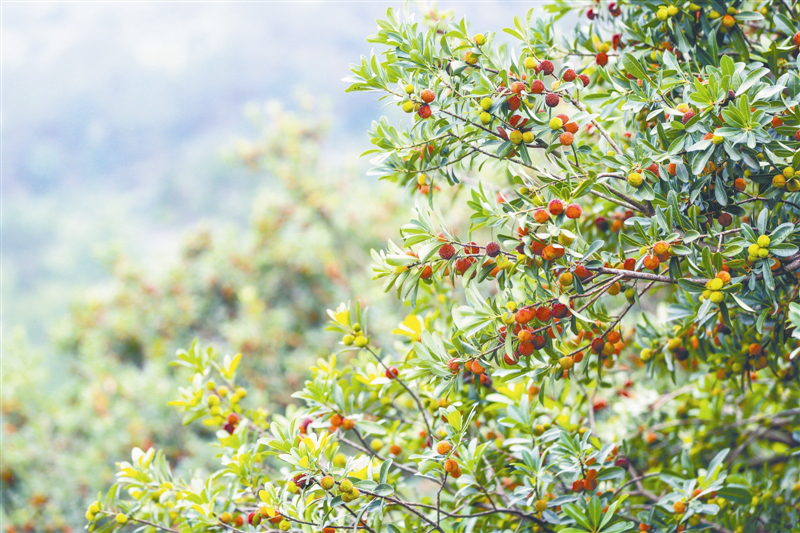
<point>114,115</point>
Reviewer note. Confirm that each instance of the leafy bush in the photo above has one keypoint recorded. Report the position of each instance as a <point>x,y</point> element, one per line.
<point>69,413</point>
<point>644,162</point>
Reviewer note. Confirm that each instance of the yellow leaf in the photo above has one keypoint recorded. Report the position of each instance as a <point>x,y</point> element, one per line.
<point>411,327</point>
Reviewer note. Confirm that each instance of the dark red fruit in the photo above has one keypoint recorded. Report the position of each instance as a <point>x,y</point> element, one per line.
<point>560,310</point>
<point>537,87</point>
<point>689,115</point>
<point>725,220</point>
<point>551,99</point>
<point>447,251</point>
<point>547,67</point>
<point>584,79</point>
<point>492,249</point>
<point>597,345</point>
<point>538,342</point>
<point>601,59</point>
<point>601,223</point>
<point>569,75</point>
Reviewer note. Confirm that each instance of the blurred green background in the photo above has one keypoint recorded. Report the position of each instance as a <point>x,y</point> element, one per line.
<point>174,171</point>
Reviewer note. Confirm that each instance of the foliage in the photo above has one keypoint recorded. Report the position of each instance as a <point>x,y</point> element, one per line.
<point>69,413</point>
<point>653,168</point>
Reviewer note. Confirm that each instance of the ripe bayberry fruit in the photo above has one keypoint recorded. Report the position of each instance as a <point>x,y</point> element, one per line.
<point>547,67</point>
<point>538,342</point>
<point>392,372</point>
<point>463,264</point>
<point>427,272</point>
<point>571,127</point>
<point>601,223</point>
<point>556,207</point>
<point>447,251</point>
<point>601,59</point>
<point>517,87</point>
<point>551,99</point>
<point>424,111</point>
<point>229,428</point>
<point>492,249</point>
<point>524,315</point>
<point>598,344</point>
<point>541,216</point>
<point>427,96</point>
<point>347,424</point>
<point>233,419</point>
<point>689,115</point>
<point>569,75</point>
<point>566,138</point>
<point>472,248</point>
<point>796,38</point>
<point>560,310</point>
<point>584,79</point>
<point>537,87</point>
<point>573,211</point>
<point>514,103</point>
<point>443,447</point>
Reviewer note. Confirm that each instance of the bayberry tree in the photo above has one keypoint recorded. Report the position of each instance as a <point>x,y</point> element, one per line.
<point>608,341</point>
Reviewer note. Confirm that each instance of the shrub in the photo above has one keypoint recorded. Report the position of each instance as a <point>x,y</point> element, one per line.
<point>563,406</point>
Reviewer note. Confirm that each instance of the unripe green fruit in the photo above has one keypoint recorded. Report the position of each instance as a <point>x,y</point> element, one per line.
<point>361,341</point>
<point>793,185</point>
<point>753,249</point>
<point>284,525</point>
<point>408,106</point>
<point>121,518</point>
<point>672,11</point>
<point>778,181</point>
<point>662,14</point>
<point>486,103</point>
<point>717,297</point>
<point>527,137</point>
<point>635,180</point>
<point>515,137</point>
<point>763,241</point>
<point>95,508</point>
<point>480,39</point>
<point>89,516</point>
<point>530,63</point>
<point>788,172</point>
<point>538,429</point>
<point>486,118</point>
<point>346,485</point>
<point>409,89</point>
<point>717,139</point>
<point>327,483</point>
<point>763,253</point>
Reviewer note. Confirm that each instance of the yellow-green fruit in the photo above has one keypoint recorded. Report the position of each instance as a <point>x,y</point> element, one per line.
<point>753,249</point>
<point>354,493</point>
<point>731,10</point>
<point>408,106</point>
<point>95,508</point>
<point>361,341</point>
<point>527,137</point>
<point>556,123</point>
<point>604,47</point>
<point>705,295</point>
<point>121,518</point>
<point>346,485</point>
<point>752,258</point>
<point>717,297</point>
<point>486,103</point>
<point>348,340</point>
<point>788,172</point>
<point>662,14</point>
<point>763,253</point>
<point>714,15</point>
<point>674,343</point>
<point>646,354</point>
<point>284,525</point>
<point>717,139</point>
<point>714,284</point>
<point>376,445</point>
<point>540,505</point>
<point>793,185</point>
<point>515,137</point>
<point>565,239</point>
<point>480,39</point>
<point>326,483</point>
<point>779,182</point>
<point>635,180</point>
<point>763,241</point>
<point>694,7</point>
<point>211,385</point>
<point>213,400</point>
<point>422,179</point>
<point>672,11</point>
<point>530,63</point>
<point>339,460</point>
<point>409,89</point>
<point>538,429</point>
<point>89,516</point>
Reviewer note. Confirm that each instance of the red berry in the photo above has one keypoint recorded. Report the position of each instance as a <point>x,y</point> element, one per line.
<point>472,248</point>
<point>447,251</point>
<point>797,135</point>
<point>601,59</point>
<point>689,115</point>
<point>537,87</point>
<point>538,342</point>
<point>569,75</point>
<point>300,480</point>
<point>517,87</point>
<point>560,310</point>
<point>598,344</point>
<point>796,38</point>
<point>524,315</point>
<point>427,96</point>
<point>424,111</point>
<point>463,264</point>
<point>453,365</point>
<point>547,67</point>
<point>566,138</point>
<point>590,14</point>
<point>492,249</point>
<point>573,211</point>
<point>585,79</point>
<point>543,314</point>
<point>556,207</point>
<point>427,272</point>
<point>392,372</point>
<point>233,419</point>
<point>229,428</point>
<point>551,99</point>
<point>513,103</point>
<point>577,485</point>
<point>725,220</point>
<point>630,264</point>
<point>601,223</point>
